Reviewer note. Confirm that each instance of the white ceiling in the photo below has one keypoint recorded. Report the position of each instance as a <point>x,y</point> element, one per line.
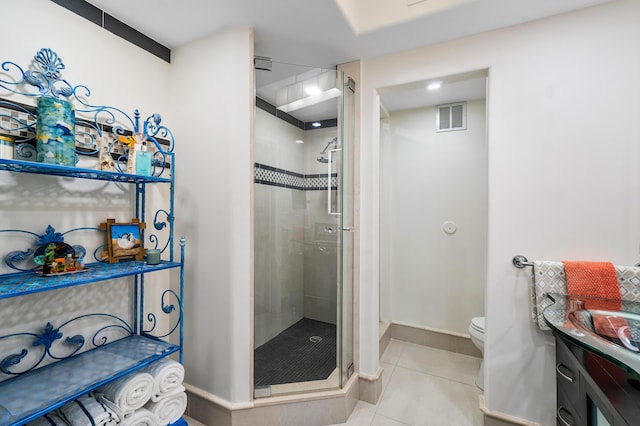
<point>315,33</point>
<point>453,88</point>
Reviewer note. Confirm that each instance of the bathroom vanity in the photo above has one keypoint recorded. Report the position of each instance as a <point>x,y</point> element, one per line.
<point>597,360</point>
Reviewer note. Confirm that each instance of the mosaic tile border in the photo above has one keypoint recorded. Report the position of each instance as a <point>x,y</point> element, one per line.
<point>273,176</point>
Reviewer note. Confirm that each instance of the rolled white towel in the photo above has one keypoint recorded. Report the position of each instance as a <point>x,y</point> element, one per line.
<point>87,410</point>
<point>50,419</point>
<point>130,392</point>
<point>167,377</point>
<point>141,417</point>
<point>169,408</point>
<point>119,412</point>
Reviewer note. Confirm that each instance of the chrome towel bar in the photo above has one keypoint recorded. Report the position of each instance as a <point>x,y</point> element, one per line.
<point>519,261</point>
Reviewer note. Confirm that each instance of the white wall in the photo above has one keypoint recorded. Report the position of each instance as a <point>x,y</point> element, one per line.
<point>117,72</point>
<point>212,91</point>
<point>279,216</point>
<point>431,177</point>
<point>275,143</point>
<point>563,181</point>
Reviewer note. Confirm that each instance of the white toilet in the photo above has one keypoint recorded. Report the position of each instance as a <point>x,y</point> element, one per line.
<point>476,331</point>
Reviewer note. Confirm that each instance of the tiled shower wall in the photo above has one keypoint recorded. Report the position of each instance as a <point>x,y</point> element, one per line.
<point>295,238</point>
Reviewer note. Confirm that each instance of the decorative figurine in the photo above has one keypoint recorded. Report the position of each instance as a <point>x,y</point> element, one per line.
<point>105,160</point>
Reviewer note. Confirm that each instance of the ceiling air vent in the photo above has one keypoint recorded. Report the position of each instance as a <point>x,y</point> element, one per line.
<point>451,117</point>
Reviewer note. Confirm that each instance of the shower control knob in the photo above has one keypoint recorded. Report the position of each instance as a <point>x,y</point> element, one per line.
<point>449,227</point>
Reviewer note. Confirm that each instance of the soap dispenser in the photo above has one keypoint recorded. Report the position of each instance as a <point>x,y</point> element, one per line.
<point>143,161</point>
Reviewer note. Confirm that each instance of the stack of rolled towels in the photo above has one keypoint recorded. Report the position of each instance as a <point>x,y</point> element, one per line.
<point>153,396</point>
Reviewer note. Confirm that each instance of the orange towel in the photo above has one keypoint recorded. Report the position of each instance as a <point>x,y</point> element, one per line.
<point>593,279</point>
<point>599,280</point>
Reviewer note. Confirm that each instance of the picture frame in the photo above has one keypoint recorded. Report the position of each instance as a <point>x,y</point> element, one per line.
<point>124,240</point>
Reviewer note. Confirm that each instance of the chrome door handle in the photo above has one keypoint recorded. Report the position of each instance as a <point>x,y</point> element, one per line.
<point>329,207</point>
<point>347,228</point>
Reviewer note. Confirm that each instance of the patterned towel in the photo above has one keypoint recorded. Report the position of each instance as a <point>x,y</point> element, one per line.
<point>86,410</point>
<point>549,277</point>
<point>51,419</point>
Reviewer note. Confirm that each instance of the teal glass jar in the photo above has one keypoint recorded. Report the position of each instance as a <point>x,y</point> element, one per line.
<point>55,131</point>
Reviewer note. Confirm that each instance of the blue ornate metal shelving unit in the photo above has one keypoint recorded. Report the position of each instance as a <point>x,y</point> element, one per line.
<point>52,366</point>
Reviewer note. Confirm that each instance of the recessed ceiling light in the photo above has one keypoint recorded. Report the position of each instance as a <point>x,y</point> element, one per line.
<point>435,85</point>
<point>316,124</point>
<point>299,141</point>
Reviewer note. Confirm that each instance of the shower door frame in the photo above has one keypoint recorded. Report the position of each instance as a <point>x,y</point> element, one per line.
<point>344,157</point>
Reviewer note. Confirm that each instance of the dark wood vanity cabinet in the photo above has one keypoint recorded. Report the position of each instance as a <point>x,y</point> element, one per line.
<point>592,390</point>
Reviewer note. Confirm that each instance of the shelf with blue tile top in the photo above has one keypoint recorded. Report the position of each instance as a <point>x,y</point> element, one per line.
<point>76,172</point>
<point>22,283</point>
<point>31,395</point>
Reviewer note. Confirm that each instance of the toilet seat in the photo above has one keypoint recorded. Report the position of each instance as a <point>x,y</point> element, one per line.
<point>478,324</point>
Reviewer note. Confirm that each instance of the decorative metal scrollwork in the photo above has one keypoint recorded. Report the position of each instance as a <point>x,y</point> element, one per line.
<point>51,337</point>
<point>92,121</point>
<point>48,74</point>
<point>167,308</point>
<point>13,258</point>
<point>160,224</point>
<point>50,236</point>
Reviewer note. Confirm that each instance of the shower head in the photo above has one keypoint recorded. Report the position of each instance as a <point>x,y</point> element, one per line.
<point>323,157</point>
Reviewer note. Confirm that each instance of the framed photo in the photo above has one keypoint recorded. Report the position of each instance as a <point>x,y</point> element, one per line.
<point>124,240</point>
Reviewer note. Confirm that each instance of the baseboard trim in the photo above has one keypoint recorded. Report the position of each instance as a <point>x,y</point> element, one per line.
<point>223,403</point>
<point>496,418</point>
<point>439,339</point>
<point>325,407</point>
<point>385,337</point>
<point>371,386</point>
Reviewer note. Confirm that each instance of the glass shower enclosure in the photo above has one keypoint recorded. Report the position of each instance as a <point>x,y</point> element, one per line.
<point>303,240</point>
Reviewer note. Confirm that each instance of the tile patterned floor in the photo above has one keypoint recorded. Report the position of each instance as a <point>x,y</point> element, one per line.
<point>423,386</point>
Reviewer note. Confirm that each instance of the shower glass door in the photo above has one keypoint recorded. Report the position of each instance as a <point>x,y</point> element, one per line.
<point>303,337</point>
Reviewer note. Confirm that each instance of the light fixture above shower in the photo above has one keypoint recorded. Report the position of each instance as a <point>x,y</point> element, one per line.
<point>314,89</point>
